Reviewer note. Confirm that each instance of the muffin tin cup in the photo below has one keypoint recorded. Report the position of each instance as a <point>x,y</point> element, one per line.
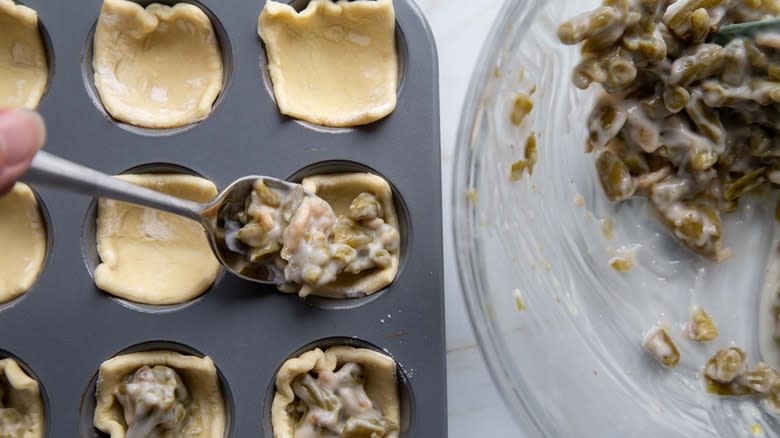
<point>64,328</point>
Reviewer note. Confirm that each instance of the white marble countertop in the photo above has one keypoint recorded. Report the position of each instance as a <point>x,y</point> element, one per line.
<point>475,407</point>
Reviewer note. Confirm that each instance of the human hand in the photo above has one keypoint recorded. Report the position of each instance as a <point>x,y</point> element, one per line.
<point>22,133</point>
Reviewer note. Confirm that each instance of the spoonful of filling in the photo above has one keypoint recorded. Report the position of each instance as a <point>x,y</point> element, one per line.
<point>260,228</point>
<point>155,402</point>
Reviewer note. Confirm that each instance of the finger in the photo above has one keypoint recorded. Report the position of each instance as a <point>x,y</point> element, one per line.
<point>22,133</point>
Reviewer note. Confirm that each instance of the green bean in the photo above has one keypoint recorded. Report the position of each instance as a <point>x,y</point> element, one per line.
<point>530,152</point>
<point>311,391</point>
<point>253,234</point>
<point>266,195</point>
<point>521,107</point>
<point>758,59</point>
<point>588,25</point>
<point>519,167</point>
<point>700,229</point>
<point>360,428</point>
<point>702,328</point>
<point>355,372</point>
<point>724,373</point>
<point>365,206</point>
<point>587,71</point>
<point>605,122</point>
<point>715,94</point>
<point>642,130</point>
<point>344,253</point>
<point>634,160</point>
<point>762,380</point>
<point>695,224</point>
<point>382,258</point>
<point>704,61</point>
<point>349,233</point>
<point>760,91</point>
<point>678,16</point>
<point>674,45</point>
<point>703,160</point>
<point>675,98</point>
<point>700,25</point>
<point>621,73</point>
<point>517,170</point>
<point>615,176</point>
<point>706,119</point>
<point>726,365</point>
<point>774,72</point>
<point>652,51</point>
<point>735,67</point>
<point>746,183</point>
<point>661,346</point>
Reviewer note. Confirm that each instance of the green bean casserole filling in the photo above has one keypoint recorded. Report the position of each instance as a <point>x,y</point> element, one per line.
<point>335,405</point>
<point>156,404</point>
<point>304,236</point>
<point>686,123</point>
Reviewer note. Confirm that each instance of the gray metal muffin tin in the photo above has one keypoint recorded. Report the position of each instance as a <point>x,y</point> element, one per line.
<point>64,327</point>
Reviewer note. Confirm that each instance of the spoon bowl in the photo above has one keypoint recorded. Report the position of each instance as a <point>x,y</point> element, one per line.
<point>218,218</point>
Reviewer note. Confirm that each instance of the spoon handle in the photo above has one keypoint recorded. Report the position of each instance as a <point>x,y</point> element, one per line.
<point>57,172</point>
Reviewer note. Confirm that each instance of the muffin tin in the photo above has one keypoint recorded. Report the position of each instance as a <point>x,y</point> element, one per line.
<point>64,327</point>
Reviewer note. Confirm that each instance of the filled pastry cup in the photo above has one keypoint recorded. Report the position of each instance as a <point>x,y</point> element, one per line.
<point>376,379</point>
<point>21,402</point>
<point>200,411</point>
<point>340,190</point>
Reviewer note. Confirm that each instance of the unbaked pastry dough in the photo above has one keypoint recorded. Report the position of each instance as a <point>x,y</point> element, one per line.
<point>20,393</point>
<point>381,383</point>
<point>334,63</point>
<point>339,190</point>
<point>24,68</point>
<point>23,237</point>
<point>198,374</point>
<point>153,257</point>
<point>159,67</point>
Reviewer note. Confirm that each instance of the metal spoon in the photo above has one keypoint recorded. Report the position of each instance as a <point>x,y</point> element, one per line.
<point>215,216</point>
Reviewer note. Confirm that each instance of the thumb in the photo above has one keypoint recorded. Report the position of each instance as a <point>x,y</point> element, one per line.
<point>22,133</point>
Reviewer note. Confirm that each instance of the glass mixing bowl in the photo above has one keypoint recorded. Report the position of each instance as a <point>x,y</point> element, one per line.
<point>572,363</point>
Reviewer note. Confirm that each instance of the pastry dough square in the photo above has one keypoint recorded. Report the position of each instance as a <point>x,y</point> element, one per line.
<point>199,374</point>
<point>23,237</point>
<point>156,67</point>
<point>334,63</point>
<point>381,383</point>
<point>339,190</point>
<point>153,257</point>
<point>24,395</point>
<point>24,67</point>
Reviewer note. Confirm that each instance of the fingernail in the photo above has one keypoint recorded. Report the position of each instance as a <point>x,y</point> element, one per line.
<point>22,133</point>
